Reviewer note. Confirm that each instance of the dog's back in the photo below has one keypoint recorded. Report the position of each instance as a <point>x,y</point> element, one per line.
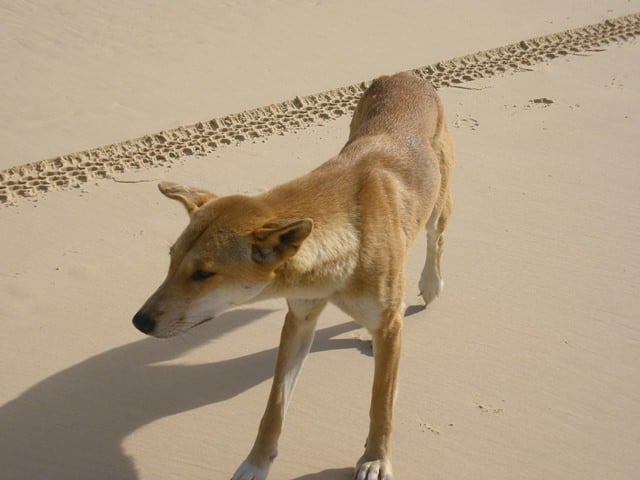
<point>399,137</point>
<point>401,104</point>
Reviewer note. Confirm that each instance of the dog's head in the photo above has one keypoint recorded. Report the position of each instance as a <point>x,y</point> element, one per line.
<point>227,255</point>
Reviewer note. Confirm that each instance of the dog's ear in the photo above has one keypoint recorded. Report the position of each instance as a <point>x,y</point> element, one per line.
<point>191,198</point>
<point>278,240</point>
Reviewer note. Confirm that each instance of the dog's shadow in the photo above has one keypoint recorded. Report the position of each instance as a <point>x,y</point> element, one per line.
<point>72,425</point>
<point>331,474</point>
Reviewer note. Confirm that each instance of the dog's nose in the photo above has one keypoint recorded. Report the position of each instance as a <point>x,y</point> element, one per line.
<point>144,322</point>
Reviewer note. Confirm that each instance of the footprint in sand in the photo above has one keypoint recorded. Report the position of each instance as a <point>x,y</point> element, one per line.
<point>543,101</point>
<point>466,122</point>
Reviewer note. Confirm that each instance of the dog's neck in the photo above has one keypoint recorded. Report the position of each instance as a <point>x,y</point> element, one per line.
<point>323,264</point>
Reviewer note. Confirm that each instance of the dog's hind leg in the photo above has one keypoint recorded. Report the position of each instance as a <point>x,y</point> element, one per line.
<point>296,339</point>
<point>431,279</point>
<point>431,282</point>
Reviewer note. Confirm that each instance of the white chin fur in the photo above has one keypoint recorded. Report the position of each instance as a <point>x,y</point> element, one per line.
<point>217,301</point>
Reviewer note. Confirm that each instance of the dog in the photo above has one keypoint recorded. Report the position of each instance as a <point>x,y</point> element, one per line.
<point>338,234</point>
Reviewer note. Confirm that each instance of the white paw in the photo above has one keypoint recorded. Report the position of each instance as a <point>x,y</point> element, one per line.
<point>375,470</point>
<point>248,471</point>
<point>430,289</point>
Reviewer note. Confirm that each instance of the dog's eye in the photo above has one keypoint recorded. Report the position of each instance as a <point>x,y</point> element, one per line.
<point>200,275</point>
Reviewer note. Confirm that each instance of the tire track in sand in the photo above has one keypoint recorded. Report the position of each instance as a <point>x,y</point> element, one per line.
<point>203,138</point>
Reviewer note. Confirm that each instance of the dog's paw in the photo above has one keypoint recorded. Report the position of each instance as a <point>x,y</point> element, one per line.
<point>374,470</point>
<point>430,290</point>
<point>248,471</point>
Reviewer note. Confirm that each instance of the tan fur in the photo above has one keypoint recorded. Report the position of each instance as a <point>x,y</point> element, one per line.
<point>338,234</point>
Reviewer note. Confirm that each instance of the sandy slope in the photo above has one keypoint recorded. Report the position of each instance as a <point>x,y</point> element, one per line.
<point>77,75</point>
<point>527,367</point>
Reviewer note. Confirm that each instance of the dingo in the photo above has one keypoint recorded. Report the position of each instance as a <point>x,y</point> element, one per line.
<point>338,234</point>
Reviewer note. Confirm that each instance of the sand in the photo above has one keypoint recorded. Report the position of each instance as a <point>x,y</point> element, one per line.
<point>526,367</point>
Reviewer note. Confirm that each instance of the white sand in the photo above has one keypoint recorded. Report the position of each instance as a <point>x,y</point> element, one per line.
<point>77,75</point>
<point>527,367</point>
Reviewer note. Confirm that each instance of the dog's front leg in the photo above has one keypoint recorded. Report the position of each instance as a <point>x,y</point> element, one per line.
<point>295,342</point>
<point>375,464</point>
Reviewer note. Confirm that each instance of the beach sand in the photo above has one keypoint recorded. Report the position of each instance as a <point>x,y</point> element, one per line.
<point>527,366</point>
